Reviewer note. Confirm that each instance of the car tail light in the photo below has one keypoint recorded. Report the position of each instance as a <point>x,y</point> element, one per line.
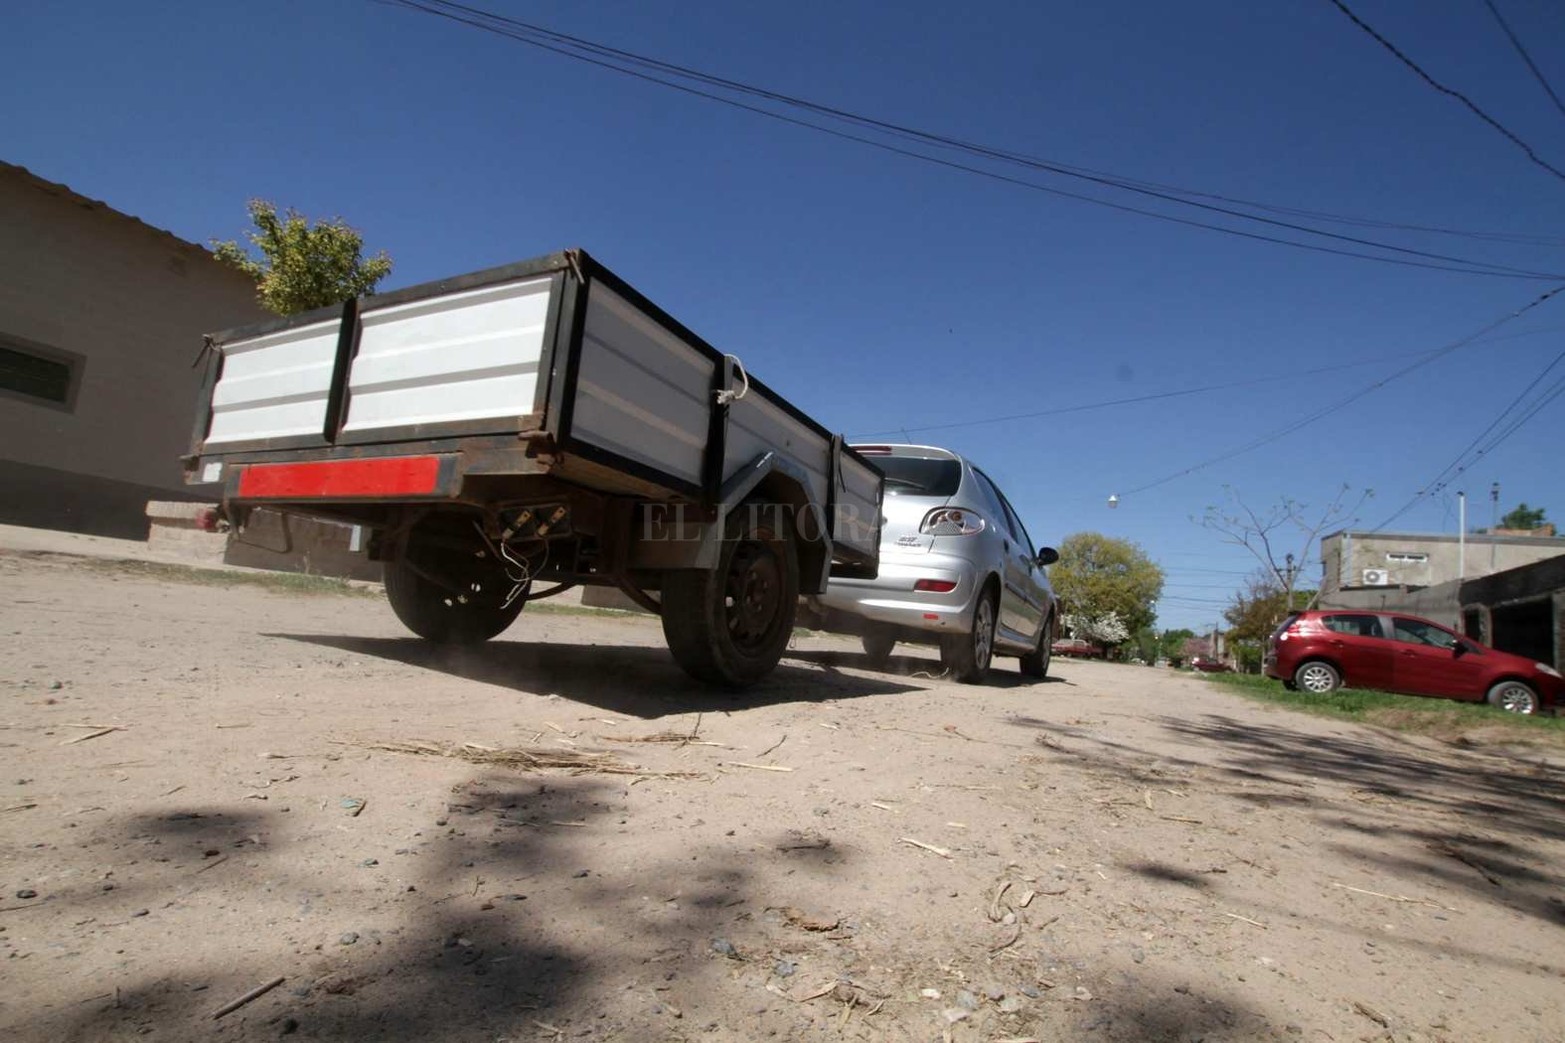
<point>952,521</point>
<point>935,586</point>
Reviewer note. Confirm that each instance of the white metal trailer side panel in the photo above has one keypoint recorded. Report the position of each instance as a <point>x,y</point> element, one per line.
<point>641,392</point>
<point>274,385</point>
<point>757,425</point>
<point>858,507</point>
<point>470,355</point>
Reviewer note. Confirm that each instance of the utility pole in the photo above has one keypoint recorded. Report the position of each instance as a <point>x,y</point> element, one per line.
<point>1461,535</point>
<point>1494,495</point>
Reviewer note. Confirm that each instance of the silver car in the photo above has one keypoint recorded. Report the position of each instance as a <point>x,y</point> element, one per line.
<point>956,568</point>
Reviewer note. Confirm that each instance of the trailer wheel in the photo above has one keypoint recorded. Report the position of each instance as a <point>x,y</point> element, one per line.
<point>446,587</point>
<point>729,626</point>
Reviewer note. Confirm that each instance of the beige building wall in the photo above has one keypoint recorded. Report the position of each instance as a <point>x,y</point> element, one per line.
<point>1414,560</point>
<point>127,304</point>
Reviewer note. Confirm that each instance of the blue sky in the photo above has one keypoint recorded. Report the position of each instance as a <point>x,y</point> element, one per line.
<point>884,294</point>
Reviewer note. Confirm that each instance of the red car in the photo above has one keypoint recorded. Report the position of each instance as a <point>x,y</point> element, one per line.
<point>1075,646</point>
<point>1320,650</point>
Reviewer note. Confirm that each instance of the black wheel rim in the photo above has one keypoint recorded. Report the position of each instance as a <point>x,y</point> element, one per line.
<point>753,598</point>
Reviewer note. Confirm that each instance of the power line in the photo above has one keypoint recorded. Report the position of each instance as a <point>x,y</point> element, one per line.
<point>1159,395</point>
<point>1456,467</point>
<point>603,56</point>
<point>1350,399</point>
<point>1443,89</point>
<point>1516,43</point>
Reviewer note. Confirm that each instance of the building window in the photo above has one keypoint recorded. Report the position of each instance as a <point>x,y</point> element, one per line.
<point>1405,557</point>
<point>37,373</point>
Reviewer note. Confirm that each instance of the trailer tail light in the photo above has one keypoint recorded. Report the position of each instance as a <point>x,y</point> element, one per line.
<point>952,521</point>
<point>342,479</point>
<point>935,586</point>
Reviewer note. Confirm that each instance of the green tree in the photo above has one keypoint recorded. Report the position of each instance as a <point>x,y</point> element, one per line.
<point>1255,613</point>
<point>1256,610</point>
<point>303,266</point>
<point>1098,575</point>
<point>1523,517</point>
<point>1171,645</point>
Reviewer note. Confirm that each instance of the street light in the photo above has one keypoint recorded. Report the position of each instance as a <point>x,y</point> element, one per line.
<point>1113,501</point>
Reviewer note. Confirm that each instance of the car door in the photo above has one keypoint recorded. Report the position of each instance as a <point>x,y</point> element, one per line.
<point>1427,662</point>
<point>1358,642</point>
<point>1020,596</point>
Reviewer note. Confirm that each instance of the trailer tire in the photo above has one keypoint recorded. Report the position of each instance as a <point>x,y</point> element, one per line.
<point>730,625</point>
<point>435,613</point>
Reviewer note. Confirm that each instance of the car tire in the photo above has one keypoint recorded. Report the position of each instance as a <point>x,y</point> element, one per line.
<point>1317,677</point>
<point>1514,697</point>
<point>1035,664</point>
<point>730,625</point>
<point>878,645</point>
<point>967,656</point>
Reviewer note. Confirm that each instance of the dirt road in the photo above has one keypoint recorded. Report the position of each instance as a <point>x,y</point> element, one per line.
<point>1116,854</point>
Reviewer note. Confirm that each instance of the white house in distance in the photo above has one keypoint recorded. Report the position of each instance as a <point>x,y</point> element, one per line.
<point>1375,560</point>
<point>101,317</point>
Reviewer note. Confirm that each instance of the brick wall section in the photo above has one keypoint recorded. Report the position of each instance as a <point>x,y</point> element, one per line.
<point>133,301</point>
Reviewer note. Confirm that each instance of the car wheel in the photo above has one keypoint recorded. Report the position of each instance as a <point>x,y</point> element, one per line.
<point>967,655</point>
<point>1317,678</point>
<point>1514,697</point>
<point>877,647</point>
<point>1035,664</point>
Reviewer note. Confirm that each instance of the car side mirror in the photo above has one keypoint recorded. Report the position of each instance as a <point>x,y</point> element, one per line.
<point>1459,649</point>
<point>1048,556</point>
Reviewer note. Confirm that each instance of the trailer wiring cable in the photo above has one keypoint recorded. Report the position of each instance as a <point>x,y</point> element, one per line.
<point>473,18</point>
<point>507,558</point>
<point>1450,91</point>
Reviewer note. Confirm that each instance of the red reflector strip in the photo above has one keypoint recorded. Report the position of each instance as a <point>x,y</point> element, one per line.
<point>935,586</point>
<point>342,479</point>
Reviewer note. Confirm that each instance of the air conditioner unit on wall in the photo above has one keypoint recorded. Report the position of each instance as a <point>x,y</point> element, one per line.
<point>1377,577</point>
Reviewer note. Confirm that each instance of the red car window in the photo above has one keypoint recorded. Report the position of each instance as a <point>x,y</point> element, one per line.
<point>1356,625</point>
<point>1417,632</point>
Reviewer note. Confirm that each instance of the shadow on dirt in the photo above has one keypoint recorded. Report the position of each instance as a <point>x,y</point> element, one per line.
<point>1144,1008</point>
<point>1418,810</point>
<point>636,681</point>
<point>924,669</point>
<point>501,929</point>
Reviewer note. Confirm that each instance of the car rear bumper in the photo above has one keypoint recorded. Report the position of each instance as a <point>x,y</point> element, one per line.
<point>891,599</point>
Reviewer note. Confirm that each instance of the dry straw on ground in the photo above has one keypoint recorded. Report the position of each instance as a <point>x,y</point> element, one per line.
<point>534,759</point>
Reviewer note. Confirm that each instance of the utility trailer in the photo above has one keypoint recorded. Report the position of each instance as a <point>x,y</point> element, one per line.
<point>512,433</point>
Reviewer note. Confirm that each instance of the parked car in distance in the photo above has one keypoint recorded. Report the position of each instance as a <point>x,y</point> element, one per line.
<point>957,568</point>
<point>1320,650</point>
<point>1077,647</point>
<point>1210,666</point>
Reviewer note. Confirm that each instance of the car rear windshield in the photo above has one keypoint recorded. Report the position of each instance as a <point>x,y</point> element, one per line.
<point>1287,622</point>
<point>920,475</point>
